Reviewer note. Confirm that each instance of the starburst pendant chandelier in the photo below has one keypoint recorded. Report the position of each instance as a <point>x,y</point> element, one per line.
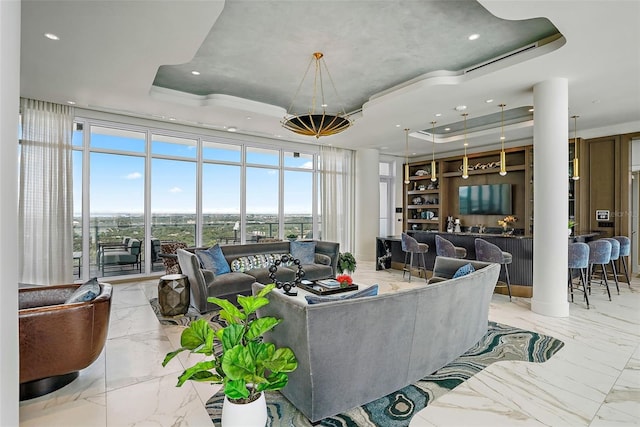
<point>316,122</point>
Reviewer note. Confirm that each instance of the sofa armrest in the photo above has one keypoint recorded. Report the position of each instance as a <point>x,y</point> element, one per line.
<point>436,279</point>
<point>209,275</point>
<point>322,259</point>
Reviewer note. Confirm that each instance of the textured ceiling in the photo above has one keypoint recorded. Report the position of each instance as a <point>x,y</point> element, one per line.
<point>259,51</point>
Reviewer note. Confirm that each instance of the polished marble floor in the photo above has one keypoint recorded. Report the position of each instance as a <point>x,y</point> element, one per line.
<point>593,381</point>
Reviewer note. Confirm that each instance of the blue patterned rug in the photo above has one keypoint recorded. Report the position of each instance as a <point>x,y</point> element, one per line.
<point>502,342</point>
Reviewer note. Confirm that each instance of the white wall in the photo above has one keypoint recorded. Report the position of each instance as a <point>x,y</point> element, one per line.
<point>367,222</point>
<point>9,101</point>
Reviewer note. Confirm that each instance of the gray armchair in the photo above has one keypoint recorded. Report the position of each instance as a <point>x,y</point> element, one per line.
<point>119,255</point>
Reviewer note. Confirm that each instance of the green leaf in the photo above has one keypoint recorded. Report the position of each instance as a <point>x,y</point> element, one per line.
<point>238,363</point>
<point>274,382</point>
<point>229,312</point>
<point>171,355</point>
<point>268,288</point>
<point>231,336</point>
<point>198,337</point>
<point>282,360</point>
<point>236,389</point>
<point>251,303</point>
<point>260,326</point>
<point>199,371</point>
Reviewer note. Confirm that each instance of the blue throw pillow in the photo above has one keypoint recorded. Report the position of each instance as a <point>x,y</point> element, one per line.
<point>213,259</point>
<point>368,292</point>
<point>85,292</point>
<point>464,270</point>
<point>304,251</point>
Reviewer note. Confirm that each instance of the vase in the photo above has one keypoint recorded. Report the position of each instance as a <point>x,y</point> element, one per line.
<point>252,414</point>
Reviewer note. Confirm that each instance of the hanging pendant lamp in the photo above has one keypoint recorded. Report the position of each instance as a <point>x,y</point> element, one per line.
<point>503,158</point>
<point>406,157</point>
<point>316,122</point>
<point>576,172</point>
<point>434,176</point>
<point>465,160</point>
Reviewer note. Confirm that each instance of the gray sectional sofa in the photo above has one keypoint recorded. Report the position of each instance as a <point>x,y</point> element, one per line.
<point>204,283</point>
<point>351,352</point>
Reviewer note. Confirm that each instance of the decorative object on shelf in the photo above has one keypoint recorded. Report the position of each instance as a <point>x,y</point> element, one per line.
<point>507,221</point>
<point>287,286</point>
<point>434,176</point>
<point>292,237</point>
<point>576,173</point>
<point>346,262</point>
<point>572,224</point>
<point>422,172</point>
<point>465,160</point>
<point>317,122</point>
<point>481,166</point>
<point>406,156</point>
<point>433,186</point>
<point>449,224</point>
<point>503,157</point>
<point>417,200</point>
<point>246,366</point>
<point>457,228</point>
<point>345,280</point>
<point>422,187</point>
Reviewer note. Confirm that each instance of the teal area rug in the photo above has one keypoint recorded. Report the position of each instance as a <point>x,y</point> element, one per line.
<point>502,342</point>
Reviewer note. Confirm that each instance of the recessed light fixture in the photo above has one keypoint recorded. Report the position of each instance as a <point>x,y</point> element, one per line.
<point>232,129</point>
<point>325,105</point>
<point>531,110</point>
<point>447,129</point>
<point>488,101</point>
<point>51,36</point>
<point>172,119</point>
<point>461,108</point>
<point>195,73</point>
<point>397,126</point>
<point>71,102</point>
<point>248,117</point>
<point>438,114</point>
<point>474,37</point>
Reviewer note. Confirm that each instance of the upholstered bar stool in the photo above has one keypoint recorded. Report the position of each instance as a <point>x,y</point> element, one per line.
<point>411,246</point>
<point>489,252</point>
<point>578,260</point>
<point>446,248</point>
<point>615,254</point>
<point>599,254</point>
<point>625,251</point>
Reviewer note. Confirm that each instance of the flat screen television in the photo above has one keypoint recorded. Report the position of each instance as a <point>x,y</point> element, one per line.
<point>493,199</point>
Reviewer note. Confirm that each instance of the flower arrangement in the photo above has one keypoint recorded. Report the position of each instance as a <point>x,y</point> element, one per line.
<point>507,221</point>
<point>345,280</point>
<point>572,223</point>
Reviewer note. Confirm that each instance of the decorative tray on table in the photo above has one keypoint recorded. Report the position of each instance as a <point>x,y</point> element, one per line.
<point>326,287</point>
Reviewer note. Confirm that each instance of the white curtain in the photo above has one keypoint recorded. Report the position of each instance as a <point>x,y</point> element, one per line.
<point>337,168</point>
<point>45,208</point>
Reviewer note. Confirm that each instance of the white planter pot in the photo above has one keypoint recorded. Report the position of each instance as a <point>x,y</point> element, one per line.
<point>252,414</point>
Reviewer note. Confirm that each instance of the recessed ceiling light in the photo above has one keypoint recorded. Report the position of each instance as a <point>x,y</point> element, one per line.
<point>325,105</point>
<point>195,73</point>
<point>51,36</point>
<point>461,108</point>
<point>248,117</point>
<point>71,102</point>
<point>531,110</point>
<point>413,154</point>
<point>474,37</point>
<point>172,119</point>
<point>447,129</point>
<point>232,129</point>
<point>397,126</point>
<point>488,101</point>
<point>438,114</point>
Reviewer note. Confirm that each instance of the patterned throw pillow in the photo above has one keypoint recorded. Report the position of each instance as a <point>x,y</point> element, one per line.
<point>213,259</point>
<point>242,264</point>
<point>464,270</point>
<point>304,251</point>
<point>368,292</point>
<point>85,292</point>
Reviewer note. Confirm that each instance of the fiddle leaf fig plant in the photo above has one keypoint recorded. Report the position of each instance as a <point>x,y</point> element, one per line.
<point>346,262</point>
<point>246,365</point>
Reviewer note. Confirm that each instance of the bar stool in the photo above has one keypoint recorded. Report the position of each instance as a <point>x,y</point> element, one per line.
<point>625,251</point>
<point>599,254</point>
<point>578,260</point>
<point>488,252</point>
<point>411,246</point>
<point>446,248</point>
<point>615,254</point>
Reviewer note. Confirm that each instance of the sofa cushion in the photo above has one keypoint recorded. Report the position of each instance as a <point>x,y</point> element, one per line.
<point>303,251</point>
<point>261,275</point>
<point>316,271</point>
<point>230,284</point>
<point>250,262</point>
<point>463,271</point>
<point>85,292</point>
<point>213,259</point>
<point>368,292</point>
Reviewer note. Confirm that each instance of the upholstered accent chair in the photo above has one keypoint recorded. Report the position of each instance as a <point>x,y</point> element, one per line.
<point>118,255</point>
<point>411,246</point>
<point>625,252</point>
<point>58,339</point>
<point>447,249</point>
<point>599,254</point>
<point>615,255</point>
<point>488,252</point>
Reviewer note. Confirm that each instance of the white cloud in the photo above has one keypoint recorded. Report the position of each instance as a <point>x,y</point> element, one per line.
<point>307,165</point>
<point>175,190</point>
<point>134,175</point>
<point>272,172</point>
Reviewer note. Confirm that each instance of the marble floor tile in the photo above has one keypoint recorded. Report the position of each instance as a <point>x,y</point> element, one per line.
<point>133,320</point>
<point>85,412</point>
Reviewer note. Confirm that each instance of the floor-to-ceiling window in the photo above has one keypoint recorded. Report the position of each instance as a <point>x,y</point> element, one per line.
<point>298,195</point>
<point>262,193</point>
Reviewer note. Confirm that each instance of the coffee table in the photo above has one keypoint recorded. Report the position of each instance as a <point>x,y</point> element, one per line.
<point>318,289</point>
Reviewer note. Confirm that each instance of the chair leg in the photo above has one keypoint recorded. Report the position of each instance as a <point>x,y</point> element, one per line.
<point>626,271</point>
<point>615,275</point>
<point>606,281</point>
<point>404,268</point>
<point>424,268</point>
<point>570,285</point>
<point>506,271</point>
<point>584,286</point>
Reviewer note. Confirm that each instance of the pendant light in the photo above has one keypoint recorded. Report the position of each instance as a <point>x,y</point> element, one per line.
<point>576,172</point>
<point>503,158</point>
<point>434,176</point>
<point>465,160</point>
<point>406,157</point>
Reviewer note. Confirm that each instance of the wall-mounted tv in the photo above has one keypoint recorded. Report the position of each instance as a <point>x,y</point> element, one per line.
<point>493,199</point>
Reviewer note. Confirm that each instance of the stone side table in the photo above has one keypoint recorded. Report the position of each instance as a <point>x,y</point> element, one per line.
<point>173,294</point>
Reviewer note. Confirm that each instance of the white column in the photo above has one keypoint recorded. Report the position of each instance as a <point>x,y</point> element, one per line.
<point>9,102</point>
<point>367,203</point>
<point>550,199</point>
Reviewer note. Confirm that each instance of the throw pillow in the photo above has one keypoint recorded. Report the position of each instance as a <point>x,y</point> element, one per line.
<point>304,251</point>
<point>242,264</point>
<point>213,259</point>
<point>464,270</point>
<point>368,292</point>
<point>85,292</point>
